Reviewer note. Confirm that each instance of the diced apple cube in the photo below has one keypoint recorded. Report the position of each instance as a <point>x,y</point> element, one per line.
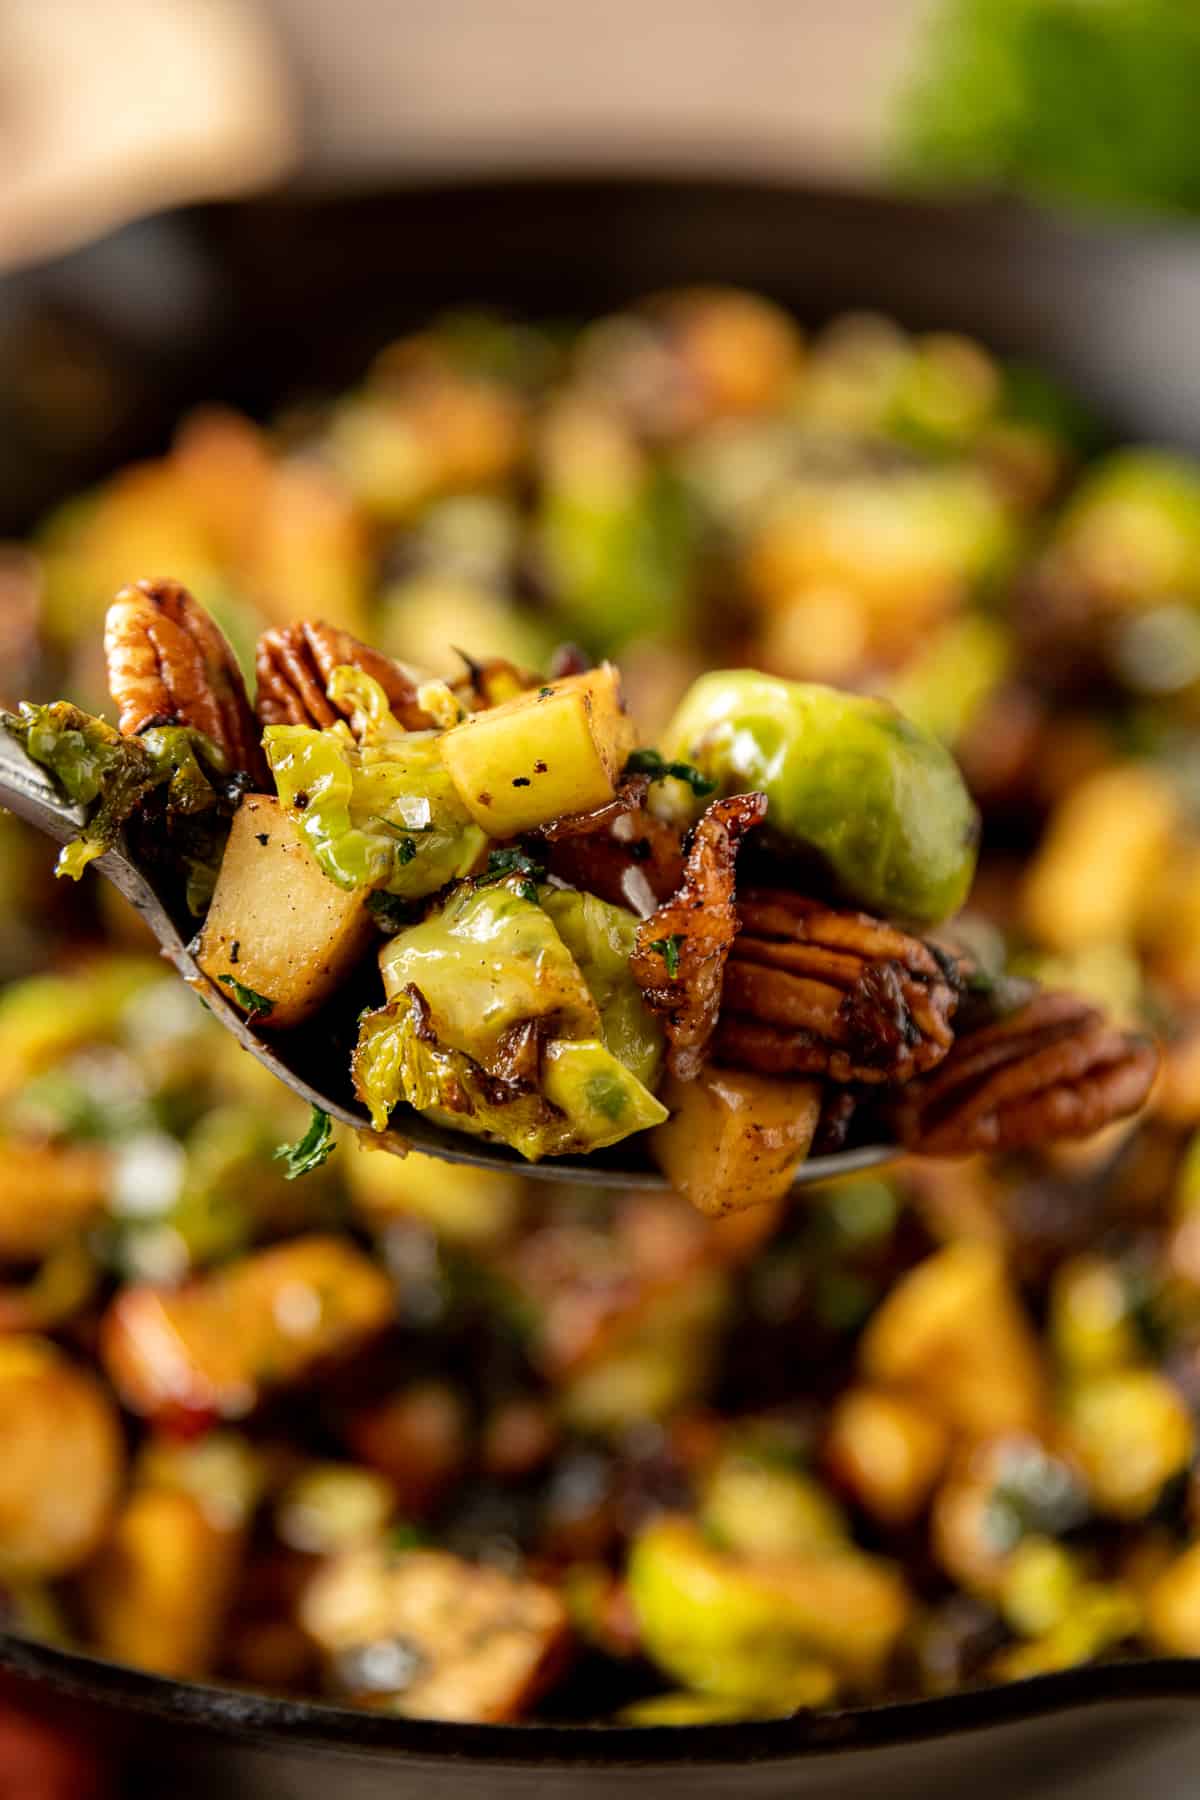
<point>556,749</point>
<point>277,927</point>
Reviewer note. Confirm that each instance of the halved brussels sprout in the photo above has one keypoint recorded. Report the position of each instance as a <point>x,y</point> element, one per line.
<point>750,1628</point>
<point>849,778</point>
<point>460,1036</point>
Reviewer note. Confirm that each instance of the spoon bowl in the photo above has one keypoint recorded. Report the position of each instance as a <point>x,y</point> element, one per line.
<point>29,791</point>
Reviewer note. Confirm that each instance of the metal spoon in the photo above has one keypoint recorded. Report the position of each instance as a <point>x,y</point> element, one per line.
<point>29,791</point>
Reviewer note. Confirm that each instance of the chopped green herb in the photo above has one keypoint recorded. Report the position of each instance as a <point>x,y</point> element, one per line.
<point>404,1535</point>
<point>668,949</point>
<point>653,764</point>
<point>314,1148</point>
<point>503,863</point>
<point>254,1005</point>
<point>391,912</point>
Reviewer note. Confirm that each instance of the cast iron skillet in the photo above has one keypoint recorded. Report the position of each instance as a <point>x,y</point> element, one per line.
<point>254,301</point>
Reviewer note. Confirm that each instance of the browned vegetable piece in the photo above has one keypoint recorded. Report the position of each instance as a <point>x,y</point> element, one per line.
<point>169,664</point>
<point>310,552</point>
<point>734,1139</point>
<point>157,1593</point>
<point>452,1639</point>
<point>679,963</point>
<point>1054,1068</point>
<point>278,928</point>
<point>811,991</point>
<point>418,1437</point>
<point>294,664</point>
<point>47,1192</point>
<point>61,1467</point>
<point>622,852</point>
<point>1131,1433</point>
<point>887,1451</point>
<point>1173,1606</point>
<point>211,1349</point>
<point>588,1286</point>
<point>952,1335</point>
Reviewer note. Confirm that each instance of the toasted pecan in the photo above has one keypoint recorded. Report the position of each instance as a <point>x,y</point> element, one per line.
<point>1056,1067</point>
<point>170,664</point>
<point>811,990</point>
<point>620,851</point>
<point>294,664</point>
<point>682,948</point>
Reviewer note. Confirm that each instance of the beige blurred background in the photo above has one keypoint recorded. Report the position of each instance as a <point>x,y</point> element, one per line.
<point>756,83</point>
<point>191,98</point>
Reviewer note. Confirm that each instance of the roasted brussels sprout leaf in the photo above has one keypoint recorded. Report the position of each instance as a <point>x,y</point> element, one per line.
<point>96,766</point>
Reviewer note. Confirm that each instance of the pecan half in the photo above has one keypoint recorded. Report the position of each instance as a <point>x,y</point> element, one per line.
<point>294,664</point>
<point>1054,1068</point>
<point>620,851</point>
<point>810,990</point>
<point>169,664</point>
<point>682,948</point>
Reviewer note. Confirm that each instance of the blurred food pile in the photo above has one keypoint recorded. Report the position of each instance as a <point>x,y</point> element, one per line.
<point>441,1442</point>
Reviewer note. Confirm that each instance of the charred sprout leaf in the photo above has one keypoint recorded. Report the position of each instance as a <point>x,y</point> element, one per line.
<point>96,766</point>
<point>254,1005</point>
<point>503,863</point>
<point>655,765</point>
<point>314,1148</point>
<point>668,949</point>
<point>391,912</point>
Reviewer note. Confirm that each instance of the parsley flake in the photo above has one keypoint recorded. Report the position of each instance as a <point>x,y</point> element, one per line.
<point>254,1005</point>
<point>390,911</point>
<point>503,863</point>
<point>314,1148</point>
<point>653,764</point>
<point>668,949</point>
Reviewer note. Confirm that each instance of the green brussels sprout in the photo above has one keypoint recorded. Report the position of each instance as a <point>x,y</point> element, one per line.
<point>485,961</point>
<point>946,685</point>
<point>749,1629</point>
<point>756,1505</point>
<point>846,777</point>
<point>379,812</point>
<point>46,1017</point>
<point>1132,529</point>
<point>617,537</point>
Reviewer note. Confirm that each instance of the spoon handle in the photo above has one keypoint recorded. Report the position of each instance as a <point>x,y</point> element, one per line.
<point>30,791</point>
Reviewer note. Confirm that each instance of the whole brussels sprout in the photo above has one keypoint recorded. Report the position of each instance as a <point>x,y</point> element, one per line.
<point>846,776</point>
<point>752,1628</point>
